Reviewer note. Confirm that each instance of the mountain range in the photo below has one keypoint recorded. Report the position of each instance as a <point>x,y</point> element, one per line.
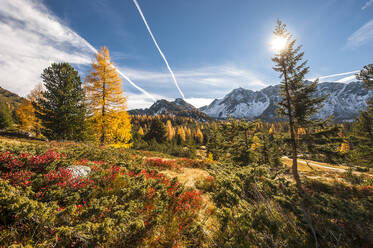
<point>179,107</point>
<point>344,102</point>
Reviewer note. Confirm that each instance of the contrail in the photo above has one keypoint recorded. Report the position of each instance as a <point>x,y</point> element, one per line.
<point>160,51</point>
<point>338,74</point>
<point>127,78</point>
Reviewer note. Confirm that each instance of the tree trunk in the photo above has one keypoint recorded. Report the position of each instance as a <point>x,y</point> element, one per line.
<point>294,167</point>
<point>103,126</point>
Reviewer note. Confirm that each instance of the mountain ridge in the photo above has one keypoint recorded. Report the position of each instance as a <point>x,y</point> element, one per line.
<point>345,101</point>
<point>178,107</point>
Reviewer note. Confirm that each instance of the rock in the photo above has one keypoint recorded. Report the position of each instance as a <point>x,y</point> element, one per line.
<point>79,170</point>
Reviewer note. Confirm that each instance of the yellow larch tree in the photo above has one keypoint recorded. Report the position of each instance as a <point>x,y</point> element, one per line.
<point>181,133</point>
<point>141,131</point>
<point>345,147</point>
<point>301,131</point>
<point>26,112</point>
<point>272,129</point>
<point>188,133</point>
<point>199,136</point>
<point>170,130</point>
<point>107,104</point>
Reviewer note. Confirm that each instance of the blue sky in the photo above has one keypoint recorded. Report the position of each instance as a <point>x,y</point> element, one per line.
<point>212,46</point>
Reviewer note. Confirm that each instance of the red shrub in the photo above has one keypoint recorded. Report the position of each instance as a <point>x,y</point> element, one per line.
<point>18,177</point>
<point>161,163</point>
<point>189,201</point>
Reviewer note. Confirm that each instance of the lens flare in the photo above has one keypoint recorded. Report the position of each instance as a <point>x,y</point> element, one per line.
<point>278,43</point>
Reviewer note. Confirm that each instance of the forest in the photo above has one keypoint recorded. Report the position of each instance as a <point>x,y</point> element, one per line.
<point>77,170</point>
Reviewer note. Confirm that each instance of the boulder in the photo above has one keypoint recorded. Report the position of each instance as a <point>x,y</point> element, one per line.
<point>79,170</point>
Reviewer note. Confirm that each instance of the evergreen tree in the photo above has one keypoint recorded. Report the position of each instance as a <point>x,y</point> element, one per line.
<point>157,131</point>
<point>296,105</point>
<point>366,75</point>
<point>106,101</point>
<point>61,107</point>
<point>363,126</point>
<point>5,116</point>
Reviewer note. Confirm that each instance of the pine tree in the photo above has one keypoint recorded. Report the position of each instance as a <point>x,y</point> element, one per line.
<point>5,116</point>
<point>363,126</point>
<point>157,131</point>
<point>366,75</point>
<point>61,106</point>
<point>106,101</point>
<point>296,105</point>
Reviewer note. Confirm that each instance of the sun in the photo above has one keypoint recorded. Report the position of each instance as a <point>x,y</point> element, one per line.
<point>278,43</point>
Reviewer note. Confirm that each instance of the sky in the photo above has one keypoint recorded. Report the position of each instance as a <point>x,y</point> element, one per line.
<point>197,49</point>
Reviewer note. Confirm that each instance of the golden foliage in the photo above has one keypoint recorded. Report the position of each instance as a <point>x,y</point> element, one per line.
<point>106,102</point>
<point>170,130</point>
<point>199,136</point>
<point>272,129</point>
<point>301,131</point>
<point>345,147</point>
<point>181,133</point>
<point>26,111</point>
<point>141,131</point>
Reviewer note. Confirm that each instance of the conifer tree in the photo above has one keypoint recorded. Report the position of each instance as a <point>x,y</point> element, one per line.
<point>61,107</point>
<point>26,111</point>
<point>363,126</point>
<point>5,116</point>
<point>296,105</point>
<point>25,114</point>
<point>180,135</point>
<point>199,136</point>
<point>366,75</point>
<point>157,131</point>
<point>345,147</point>
<point>106,101</point>
<point>170,130</point>
<point>141,131</point>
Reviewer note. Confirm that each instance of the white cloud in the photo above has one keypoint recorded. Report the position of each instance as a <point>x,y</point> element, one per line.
<point>199,102</point>
<point>31,39</point>
<point>203,82</point>
<point>361,36</point>
<point>367,4</point>
<point>138,101</point>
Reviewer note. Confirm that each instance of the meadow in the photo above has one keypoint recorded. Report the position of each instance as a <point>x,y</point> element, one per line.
<point>135,198</point>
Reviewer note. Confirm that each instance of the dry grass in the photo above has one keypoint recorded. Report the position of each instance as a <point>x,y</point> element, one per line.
<point>187,176</point>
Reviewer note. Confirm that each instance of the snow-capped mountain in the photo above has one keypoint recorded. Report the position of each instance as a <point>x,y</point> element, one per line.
<point>345,101</point>
<point>179,107</point>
